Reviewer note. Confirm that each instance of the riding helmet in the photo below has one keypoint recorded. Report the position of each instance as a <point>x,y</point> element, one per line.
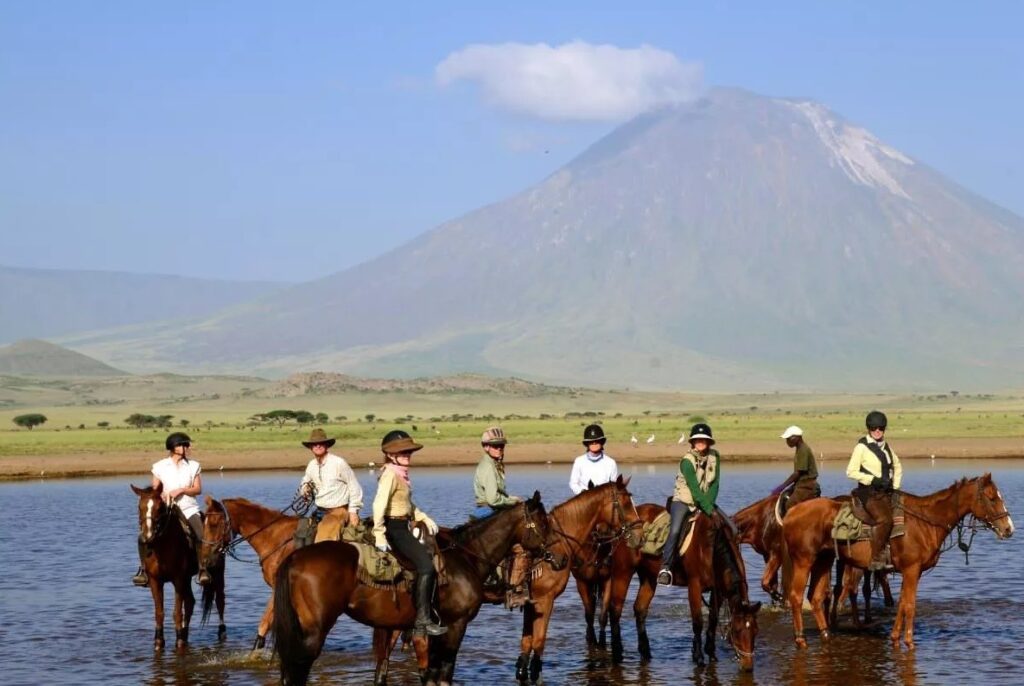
<point>592,433</point>
<point>493,436</point>
<point>876,420</point>
<point>177,438</point>
<point>701,431</point>
<point>398,441</point>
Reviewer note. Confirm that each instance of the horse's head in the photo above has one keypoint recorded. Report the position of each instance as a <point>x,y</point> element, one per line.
<point>624,517</point>
<point>535,529</point>
<point>743,632</point>
<point>989,507</point>
<point>153,511</point>
<point>216,533</point>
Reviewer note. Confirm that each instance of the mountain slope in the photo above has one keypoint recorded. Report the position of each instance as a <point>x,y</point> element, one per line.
<point>39,358</point>
<point>738,242</point>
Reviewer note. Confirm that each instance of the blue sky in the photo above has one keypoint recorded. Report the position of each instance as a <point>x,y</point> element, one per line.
<point>250,140</point>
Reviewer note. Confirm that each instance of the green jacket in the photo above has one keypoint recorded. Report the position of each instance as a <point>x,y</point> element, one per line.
<point>489,484</point>
<point>697,482</point>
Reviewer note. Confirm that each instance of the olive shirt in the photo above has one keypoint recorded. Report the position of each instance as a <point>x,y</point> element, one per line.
<point>489,484</point>
<point>393,500</point>
<point>803,462</point>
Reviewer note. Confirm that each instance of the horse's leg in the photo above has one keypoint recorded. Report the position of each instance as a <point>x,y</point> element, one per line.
<point>618,586</point>
<point>184,603</point>
<point>265,623</point>
<point>383,642</point>
<point>449,652</point>
<point>867,596</point>
<point>908,603</point>
<point>819,592</point>
<point>838,594</point>
<point>156,589</point>
<point>714,605</point>
<point>644,594</point>
<point>696,619</point>
<point>603,617</point>
<point>586,591</point>
<point>526,643</point>
<point>883,581</point>
<point>542,615</point>
<point>222,628</point>
<point>797,585</point>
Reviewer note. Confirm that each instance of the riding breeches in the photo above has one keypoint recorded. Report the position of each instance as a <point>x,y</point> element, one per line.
<point>407,545</point>
<point>680,513</point>
<point>878,504</point>
<point>804,489</point>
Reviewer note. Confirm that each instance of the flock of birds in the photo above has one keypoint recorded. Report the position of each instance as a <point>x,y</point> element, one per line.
<point>650,440</point>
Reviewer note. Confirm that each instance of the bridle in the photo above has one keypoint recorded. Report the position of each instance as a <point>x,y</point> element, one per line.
<point>973,523</point>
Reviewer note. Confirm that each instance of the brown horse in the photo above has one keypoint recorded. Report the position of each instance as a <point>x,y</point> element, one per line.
<point>760,529</point>
<point>809,548</point>
<point>572,524</point>
<point>847,580</point>
<point>171,560</point>
<point>316,584</point>
<point>712,562</point>
<point>592,572</point>
<point>270,533</point>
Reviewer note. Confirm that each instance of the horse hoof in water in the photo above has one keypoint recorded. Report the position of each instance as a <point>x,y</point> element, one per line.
<point>222,632</point>
<point>825,635</point>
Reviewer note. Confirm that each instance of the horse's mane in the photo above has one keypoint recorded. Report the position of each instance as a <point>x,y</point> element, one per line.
<point>734,561</point>
<point>573,508</point>
<point>256,508</point>
<point>943,492</point>
<point>474,527</point>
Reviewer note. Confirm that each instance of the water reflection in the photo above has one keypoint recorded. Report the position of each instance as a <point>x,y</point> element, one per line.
<point>64,587</point>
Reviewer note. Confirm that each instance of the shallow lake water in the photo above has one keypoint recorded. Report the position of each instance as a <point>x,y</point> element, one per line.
<point>69,614</point>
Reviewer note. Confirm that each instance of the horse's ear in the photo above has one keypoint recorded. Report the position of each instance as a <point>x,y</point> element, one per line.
<point>159,488</point>
<point>536,497</point>
<point>209,501</point>
<point>590,484</point>
<point>138,491</point>
<point>623,481</point>
<point>618,480</point>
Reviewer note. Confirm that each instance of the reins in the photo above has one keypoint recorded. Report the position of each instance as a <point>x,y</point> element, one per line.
<point>299,505</point>
<point>973,524</point>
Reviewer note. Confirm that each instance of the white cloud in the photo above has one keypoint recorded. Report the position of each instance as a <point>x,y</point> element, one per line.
<point>574,81</point>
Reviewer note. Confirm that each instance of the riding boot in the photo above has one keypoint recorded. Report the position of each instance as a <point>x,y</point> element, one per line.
<point>141,578</point>
<point>424,593</point>
<point>519,588</point>
<point>680,514</point>
<point>195,522</point>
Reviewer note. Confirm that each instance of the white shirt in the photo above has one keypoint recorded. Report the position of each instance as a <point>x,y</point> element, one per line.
<point>336,483</point>
<point>180,475</point>
<point>585,470</point>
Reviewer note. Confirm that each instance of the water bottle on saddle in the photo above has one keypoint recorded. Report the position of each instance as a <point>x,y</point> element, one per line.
<point>878,473</point>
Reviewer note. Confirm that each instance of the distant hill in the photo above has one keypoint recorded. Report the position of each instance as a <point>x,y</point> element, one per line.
<point>39,358</point>
<point>325,383</point>
<point>44,303</point>
<point>738,242</point>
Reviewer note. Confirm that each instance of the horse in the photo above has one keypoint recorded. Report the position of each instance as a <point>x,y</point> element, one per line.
<point>760,529</point>
<point>809,549</point>
<point>712,562</point>
<point>572,524</point>
<point>592,573</point>
<point>270,532</point>
<point>318,583</point>
<point>171,560</point>
<point>847,580</point>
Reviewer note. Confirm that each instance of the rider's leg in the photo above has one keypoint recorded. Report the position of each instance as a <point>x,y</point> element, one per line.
<point>680,513</point>
<point>879,508</point>
<point>141,578</point>
<point>196,523</point>
<point>519,569</point>
<point>402,540</point>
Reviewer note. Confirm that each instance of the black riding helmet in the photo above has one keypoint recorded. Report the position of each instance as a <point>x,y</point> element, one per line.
<point>177,438</point>
<point>592,433</point>
<point>876,420</point>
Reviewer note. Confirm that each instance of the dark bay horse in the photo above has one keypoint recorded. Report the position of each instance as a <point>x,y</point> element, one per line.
<point>316,584</point>
<point>847,580</point>
<point>809,548</point>
<point>592,571</point>
<point>270,533</point>
<point>171,559</point>
<point>712,563</point>
<point>572,523</point>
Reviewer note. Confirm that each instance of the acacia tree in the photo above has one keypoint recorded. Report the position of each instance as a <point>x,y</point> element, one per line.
<point>30,420</point>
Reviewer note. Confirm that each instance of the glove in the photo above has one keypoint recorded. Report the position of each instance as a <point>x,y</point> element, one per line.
<point>384,547</point>
<point>431,526</point>
<point>887,484</point>
<point>876,482</point>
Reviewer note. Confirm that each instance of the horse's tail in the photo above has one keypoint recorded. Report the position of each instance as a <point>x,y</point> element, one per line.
<point>289,637</point>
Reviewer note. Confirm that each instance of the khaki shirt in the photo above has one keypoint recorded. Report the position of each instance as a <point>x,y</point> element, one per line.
<point>489,484</point>
<point>393,499</point>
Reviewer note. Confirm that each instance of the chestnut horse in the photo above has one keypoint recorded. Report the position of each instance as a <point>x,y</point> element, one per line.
<point>270,533</point>
<point>809,548</point>
<point>318,583</point>
<point>847,580</point>
<point>712,563</point>
<point>572,524</point>
<point>171,559</point>
<point>592,571</point>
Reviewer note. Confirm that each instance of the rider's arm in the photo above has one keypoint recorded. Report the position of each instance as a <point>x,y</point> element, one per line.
<point>712,496</point>
<point>385,487</point>
<point>853,468</point>
<point>307,479</point>
<point>897,472</point>
<point>488,480</point>
<point>575,481</point>
<point>355,490</point>
<point>690,477</point>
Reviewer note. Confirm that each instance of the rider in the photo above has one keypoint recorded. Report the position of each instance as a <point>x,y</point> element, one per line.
<point>804,478</point>
<point>878,473</point>
<point>696,487</point>
<point>393,511</point>
<point>338,493</point>
<point>593,466</point>
<point>491,496</point>
<point>182,482</point>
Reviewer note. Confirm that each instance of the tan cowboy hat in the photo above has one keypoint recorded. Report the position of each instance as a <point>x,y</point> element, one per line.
<point>318,436</point>
<point>398,441</point>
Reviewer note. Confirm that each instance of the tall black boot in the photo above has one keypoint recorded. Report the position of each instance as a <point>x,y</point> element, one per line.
<point>141,578</point>
<point>424,592</point>
<point>668,555</point>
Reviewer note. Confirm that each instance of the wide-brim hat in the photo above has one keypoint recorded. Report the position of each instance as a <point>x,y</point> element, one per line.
<point>399,442</point>
<point>319,436</point>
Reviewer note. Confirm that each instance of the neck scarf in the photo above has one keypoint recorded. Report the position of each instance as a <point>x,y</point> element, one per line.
<point>399,471</point>
<point>594,458</point>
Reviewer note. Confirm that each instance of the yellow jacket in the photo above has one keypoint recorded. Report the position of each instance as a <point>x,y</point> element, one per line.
<point>864,460</point>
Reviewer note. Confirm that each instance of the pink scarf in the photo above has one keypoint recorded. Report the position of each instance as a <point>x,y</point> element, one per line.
<point>399,471</point>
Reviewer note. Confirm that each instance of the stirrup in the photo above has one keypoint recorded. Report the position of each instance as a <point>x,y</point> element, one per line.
<point>141,578</point>
<point>430,629</point>
<point>665,577</point>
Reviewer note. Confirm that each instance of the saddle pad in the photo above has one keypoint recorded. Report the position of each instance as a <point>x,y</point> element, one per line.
<point>377,567</point>
<point>655,534</point>
<point>847,527</point>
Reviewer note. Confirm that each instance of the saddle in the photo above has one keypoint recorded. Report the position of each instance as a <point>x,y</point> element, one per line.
<point>655,534</point>
<point>388,569</point>
<point>305,532</point>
